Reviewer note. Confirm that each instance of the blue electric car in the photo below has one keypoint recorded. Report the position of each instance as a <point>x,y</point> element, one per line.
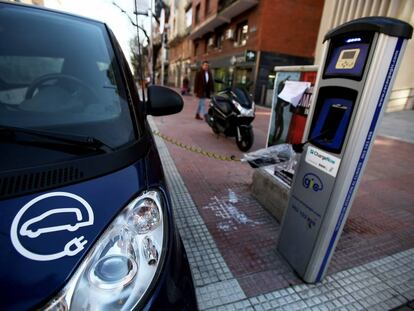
<point>85,216</point>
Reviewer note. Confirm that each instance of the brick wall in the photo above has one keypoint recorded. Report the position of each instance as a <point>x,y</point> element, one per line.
<point>203,13</point>
<point>289,27</point>
<point>282,26</point>
<point>181,50</point>
<point>228,46</point>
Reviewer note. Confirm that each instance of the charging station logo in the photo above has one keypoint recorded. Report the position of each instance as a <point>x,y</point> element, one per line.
<point>322,160</point>
<point>313,182</point>
<point>322,157</point>
<point>51,213</point>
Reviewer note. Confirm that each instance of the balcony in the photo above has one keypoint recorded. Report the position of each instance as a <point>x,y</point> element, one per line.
<point>222,4</point>
<point>227,10</point>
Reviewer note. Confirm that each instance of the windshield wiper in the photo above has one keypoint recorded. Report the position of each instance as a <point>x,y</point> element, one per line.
<point>72,139</point>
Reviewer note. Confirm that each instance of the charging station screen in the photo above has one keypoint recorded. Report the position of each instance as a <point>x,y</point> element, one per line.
<point>347,61</point>
<point>347,56</point>
<point>332,116</point>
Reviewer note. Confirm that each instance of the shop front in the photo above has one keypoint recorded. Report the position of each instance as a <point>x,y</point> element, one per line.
<point>234,70</point>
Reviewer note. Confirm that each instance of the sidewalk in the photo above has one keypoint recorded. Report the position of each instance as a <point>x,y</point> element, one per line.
<point>398,125</point>
<point>232,245</point>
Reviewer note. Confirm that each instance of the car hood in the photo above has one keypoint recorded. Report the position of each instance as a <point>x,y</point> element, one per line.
<point>44,236</point>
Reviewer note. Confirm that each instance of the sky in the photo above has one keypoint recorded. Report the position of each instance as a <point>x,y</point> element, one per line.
<point>105,11</point>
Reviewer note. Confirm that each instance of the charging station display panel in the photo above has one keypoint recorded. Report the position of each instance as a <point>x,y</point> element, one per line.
<point>347,57</point>
<point>332,116</point>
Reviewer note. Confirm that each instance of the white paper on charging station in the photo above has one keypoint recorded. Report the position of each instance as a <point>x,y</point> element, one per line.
<point>293,91</point>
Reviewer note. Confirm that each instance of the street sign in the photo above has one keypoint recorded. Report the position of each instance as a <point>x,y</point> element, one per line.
<point>250,56</point>
<point>143,6</point>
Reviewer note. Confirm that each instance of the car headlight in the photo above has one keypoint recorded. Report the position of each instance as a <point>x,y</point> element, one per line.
<point>120,268</point>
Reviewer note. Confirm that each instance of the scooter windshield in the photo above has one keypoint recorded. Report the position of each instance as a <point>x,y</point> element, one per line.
<point>242,98</point>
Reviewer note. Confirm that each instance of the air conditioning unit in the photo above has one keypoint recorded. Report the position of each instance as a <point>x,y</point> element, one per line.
<point>210,41</point>
<point>229,35</point>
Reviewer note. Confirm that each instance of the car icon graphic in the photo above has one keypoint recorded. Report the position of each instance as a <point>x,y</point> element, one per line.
<point>313,182</point>
<point>33,228</point>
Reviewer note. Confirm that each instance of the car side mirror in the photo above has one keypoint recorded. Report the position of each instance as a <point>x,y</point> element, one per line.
<point>163,101</point>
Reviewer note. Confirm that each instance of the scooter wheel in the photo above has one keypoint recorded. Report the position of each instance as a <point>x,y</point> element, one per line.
<point>246,141</point>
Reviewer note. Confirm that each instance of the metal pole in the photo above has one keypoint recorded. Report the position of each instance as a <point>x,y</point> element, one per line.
<point>152,44</point>
<point>141,73</point>
<point>162,57</point>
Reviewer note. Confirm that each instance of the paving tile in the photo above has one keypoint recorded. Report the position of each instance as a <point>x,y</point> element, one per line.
<point>391,124</point>
<point>373,293</point>
<point>329,294</point>
<point>264,282</point>
<point>218,294</point>
<point>207,265</point>
<point>353,306</point>
<point>397,272</point>
<point>284,298</point>
<point>243,305</point>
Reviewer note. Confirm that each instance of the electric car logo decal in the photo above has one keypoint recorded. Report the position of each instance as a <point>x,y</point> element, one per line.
<point>313,182</point>
<point>323,160</point>
<point>52,213</point>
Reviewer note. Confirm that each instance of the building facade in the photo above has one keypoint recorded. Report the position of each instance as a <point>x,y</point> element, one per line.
<point>180,46</point>
<point>244,40</point>
<point>338,12</point>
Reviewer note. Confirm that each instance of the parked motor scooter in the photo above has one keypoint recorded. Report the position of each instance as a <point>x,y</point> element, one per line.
<point>231,112</point>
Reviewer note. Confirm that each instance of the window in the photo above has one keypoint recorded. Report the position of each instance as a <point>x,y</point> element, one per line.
<point>242,33</point>
<point>48,82</point>
<point>211,42</point>
<point>197,14</point>
<point>207,8</point>
<point>219,40</point>
<point>189,17</point>
<point>21,70</point>
<point>206,41</point>
<point>222,4</point>
<point>196,48</point>
<point>242,76</point>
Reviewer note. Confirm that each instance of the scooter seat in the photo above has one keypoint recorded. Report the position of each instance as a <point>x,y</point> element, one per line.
<point>223,105</point>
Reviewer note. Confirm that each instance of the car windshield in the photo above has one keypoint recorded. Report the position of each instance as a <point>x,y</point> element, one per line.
<point>58,73</point>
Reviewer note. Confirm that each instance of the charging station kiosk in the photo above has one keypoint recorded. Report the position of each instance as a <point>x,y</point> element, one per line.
<point>360,61</point>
